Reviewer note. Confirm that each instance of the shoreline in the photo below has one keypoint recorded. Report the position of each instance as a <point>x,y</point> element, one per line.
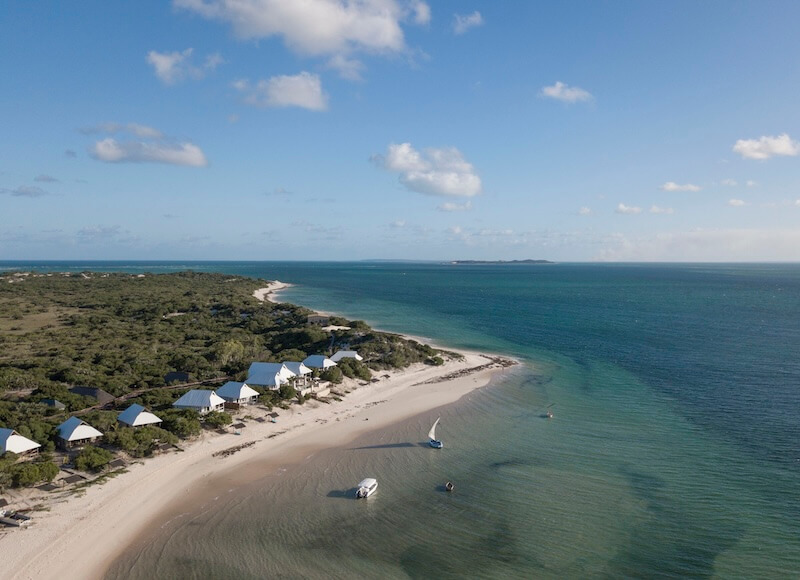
<point>101,522</point>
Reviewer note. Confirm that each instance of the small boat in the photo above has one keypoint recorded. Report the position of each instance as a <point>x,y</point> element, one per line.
<point>449,486</point>
<point>435,443</point>
<point>366,488</point>
<point>549,414</point>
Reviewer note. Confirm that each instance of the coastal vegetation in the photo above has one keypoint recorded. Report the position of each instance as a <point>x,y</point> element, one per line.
<point>148,339</point>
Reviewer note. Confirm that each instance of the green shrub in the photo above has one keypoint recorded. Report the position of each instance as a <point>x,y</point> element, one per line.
<point>93,458</point>
<point>218,419</point>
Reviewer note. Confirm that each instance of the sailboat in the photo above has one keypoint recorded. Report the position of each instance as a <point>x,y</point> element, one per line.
<point>435,443</point>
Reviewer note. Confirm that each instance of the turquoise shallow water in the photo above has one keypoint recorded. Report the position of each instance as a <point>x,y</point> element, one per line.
<point>674,452</point>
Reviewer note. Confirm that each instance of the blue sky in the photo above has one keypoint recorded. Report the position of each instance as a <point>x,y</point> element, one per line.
<point>400,129</point>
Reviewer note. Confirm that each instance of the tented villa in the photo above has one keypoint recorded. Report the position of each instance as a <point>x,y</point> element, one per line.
<point>200,400</point>
<point>268,375</point>
<point>319,361</point>
<point>75,433</point>
<point>346,354</point>
<point>137,416</point>
<point>239,393</point>
<point>13,442</point>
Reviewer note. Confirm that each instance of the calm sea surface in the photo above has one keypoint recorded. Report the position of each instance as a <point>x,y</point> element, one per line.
<point>674,451</point>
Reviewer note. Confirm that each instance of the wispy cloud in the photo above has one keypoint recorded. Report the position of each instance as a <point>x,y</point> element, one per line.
<point>585,211</point>
<point>303,90</point>
<point>704,245</point>
<point>42,178</point>
<point>450,206</point>
<point>319,28</point>
<point>398,224</point>
<point>729,182</point>
<point>435,171</point>
<point>672,186</point>
<point>70,153</point>
<point>464,22</point>
<point>766,147</point>
<point>151,146</point>
<point>112,151</point>
<point>26,191</point>
<point>736,202</point>
<point>661,210</point>
<point>751,183</point>
<point>173,67</point>
<point>628,209</point>
<point>565,93</point>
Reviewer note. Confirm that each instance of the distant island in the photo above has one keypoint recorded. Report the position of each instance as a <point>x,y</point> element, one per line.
<point>486,262</point>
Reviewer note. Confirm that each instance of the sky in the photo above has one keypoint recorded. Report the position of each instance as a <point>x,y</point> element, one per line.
<point>400,129</point>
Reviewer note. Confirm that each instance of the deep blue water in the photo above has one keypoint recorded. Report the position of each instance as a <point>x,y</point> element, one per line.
<point>676,450</point>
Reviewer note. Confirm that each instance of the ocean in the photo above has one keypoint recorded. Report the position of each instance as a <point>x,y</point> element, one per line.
<point>674,451</point>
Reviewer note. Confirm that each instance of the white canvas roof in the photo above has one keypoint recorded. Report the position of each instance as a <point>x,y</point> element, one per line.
<point>298,368</point>
<point>199,399</point>
<point>319,361</point>
<point>136,415</point>
<point>12,441</point>
<point>268,374</point>
<point>346,354</point>
<point>233,391</point>
<point>73,429</point>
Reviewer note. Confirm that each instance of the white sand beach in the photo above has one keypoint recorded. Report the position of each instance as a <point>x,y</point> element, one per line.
<point>81,535</point>
<point>266,293</point>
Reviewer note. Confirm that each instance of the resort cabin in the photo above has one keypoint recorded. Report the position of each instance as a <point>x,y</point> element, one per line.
<point>137,416</point>
<point>318,319</point>
<point>13,442</point>
<point>299,370</point>
<point>76,433</point>
<point>176,377</point>
<point>200,400</point>
<point>268,375</point>
<point>53,404</point>
<point>319,361</point>
<point>238,393</point>
<point>102,396</point>
<point>346,354</point>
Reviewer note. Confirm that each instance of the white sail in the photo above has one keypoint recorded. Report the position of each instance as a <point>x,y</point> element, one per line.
<point>432,432</point>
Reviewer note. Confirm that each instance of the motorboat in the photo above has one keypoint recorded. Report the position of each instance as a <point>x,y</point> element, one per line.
<point>366,488</point>
<point>449,486</point>
<point>433,441</point>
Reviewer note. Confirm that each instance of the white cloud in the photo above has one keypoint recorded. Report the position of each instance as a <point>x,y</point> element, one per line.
<point>766,147</point>
<point>134,128</point>
<point>173,67</point>
<point>450,206</point>
<point>629,210</point>
<point>318,27</point>
<point>661,210</point>
<point>113,151</point>
<point>672,186</point>
<point>729,182</point>
<point>435,172</point>
<point>585,211</point>
<point>751,183</point>
<point>565,93</point>
<point>463,22</point>
<point>454,230</point>
<point>797,202</point>
<point>398,224</point>
<point>422,12</point>
<point>736,202</point>
<point>303,90</point>
<point>349,68</point>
